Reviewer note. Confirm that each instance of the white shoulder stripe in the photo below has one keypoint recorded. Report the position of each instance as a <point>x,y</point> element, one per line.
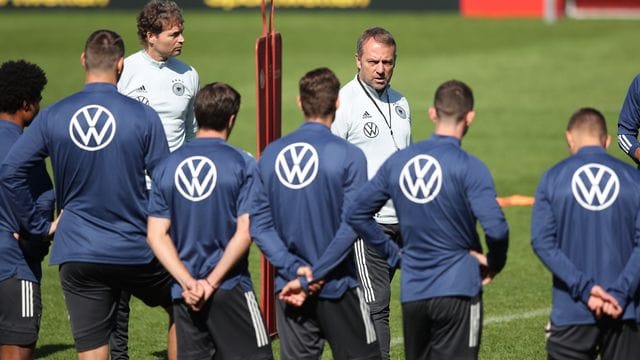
<point>624,143</point>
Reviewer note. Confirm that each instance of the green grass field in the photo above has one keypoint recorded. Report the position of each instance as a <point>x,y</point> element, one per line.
<point>528,77</point>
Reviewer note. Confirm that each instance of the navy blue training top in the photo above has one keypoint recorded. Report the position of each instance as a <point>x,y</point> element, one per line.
<point>100,143</point>
<point>439,192</point>
<point>585,227</point>
<point>308,178</point>
<point>22,258</point>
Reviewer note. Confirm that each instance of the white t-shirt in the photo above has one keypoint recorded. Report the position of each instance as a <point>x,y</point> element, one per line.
<point>169,87</point>
<point>360,122</point>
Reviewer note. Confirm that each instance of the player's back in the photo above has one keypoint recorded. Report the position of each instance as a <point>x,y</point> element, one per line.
<point>203,187</point>
<point>594,200</point>
<point>304,176</point>
<point>100,143</point>
<point>440,191</point>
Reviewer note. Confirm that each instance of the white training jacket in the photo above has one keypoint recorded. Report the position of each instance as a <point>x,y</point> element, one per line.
<point>360,122</point>
<point>169,87</point>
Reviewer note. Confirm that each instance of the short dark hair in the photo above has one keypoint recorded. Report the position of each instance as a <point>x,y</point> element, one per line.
<point>20,82</point>
<point>319,90</point>
<point>102,50</point>
<point>157,15</point>
<point>379,35</point>
<point>215,103</point>
<point>590,121</point>
<point>453,100</point>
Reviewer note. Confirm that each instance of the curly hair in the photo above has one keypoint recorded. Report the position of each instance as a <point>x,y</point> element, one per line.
<point>155,16</point>
<point>20,82</point>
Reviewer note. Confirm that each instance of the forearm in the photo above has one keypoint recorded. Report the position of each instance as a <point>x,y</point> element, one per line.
<point>336,252</point>
<point>15,183</point>
<point>626,285</point>
<point>235,250</point>
<point>578,284</point>
<point>272,246</point>
<point>498,246</point>
<point>165,251</point>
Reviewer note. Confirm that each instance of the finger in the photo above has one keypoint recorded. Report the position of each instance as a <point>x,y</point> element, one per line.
<point>306,272</point>
<point>479,257</point>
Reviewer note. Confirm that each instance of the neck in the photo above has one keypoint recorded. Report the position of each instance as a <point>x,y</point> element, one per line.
<point>447,129</point>
<point>154,55</point>
<point>101,77</point>
<point>14,118</point>
<point>210,133</point>
<point>367,86</point>
<point>326,121</point>
<point>585,143</point>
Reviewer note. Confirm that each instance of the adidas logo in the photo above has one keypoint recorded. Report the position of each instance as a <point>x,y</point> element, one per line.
<point>141,89</point>
<point>366,115</point>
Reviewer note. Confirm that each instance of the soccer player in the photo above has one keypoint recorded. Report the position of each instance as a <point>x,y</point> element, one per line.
<point>308,178</point>
<point>629,122</point>
<point>198,228</point>
<point>156,77</point>
<point>440,192</point>
<point>21,85</point>
<point>585,228</point>
<point>100,143</point>
<point>376,118</point>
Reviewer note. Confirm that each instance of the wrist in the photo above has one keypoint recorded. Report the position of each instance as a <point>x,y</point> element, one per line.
<point>211,283</point>
<point>304,283</point>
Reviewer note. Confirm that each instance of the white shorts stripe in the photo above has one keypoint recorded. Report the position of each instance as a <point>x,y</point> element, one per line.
<point>361,263</point>
<point>624,143</point>
<point>262,339</point>
<point>474,323</point>
<point>31,298</point>
<point>370,331</point>
<point>29,307</point>
<point>26,290</point>
<point>23,298</point>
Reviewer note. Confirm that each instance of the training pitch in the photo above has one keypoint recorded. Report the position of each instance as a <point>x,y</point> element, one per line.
<point>528,77</point>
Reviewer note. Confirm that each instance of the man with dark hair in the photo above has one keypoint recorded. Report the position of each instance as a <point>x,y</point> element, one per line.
<point>21,252</point>
<point>307,179</point>
<point>440,192</point>
<point>157,78</point>
<point>585,228</point>
<point>198,228</point>
<point>100,143</point>
<point>154,76</point>
<point>376,118</point>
